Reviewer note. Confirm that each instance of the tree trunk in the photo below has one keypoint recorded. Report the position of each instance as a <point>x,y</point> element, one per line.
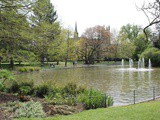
<point>11,63</point>
<point>19,62</point>
<point>42,59</point>
<point>66,63</point>
<point>57,62</point>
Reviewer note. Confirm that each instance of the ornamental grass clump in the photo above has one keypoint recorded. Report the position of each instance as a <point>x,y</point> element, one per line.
<point>93,99</point>
<point>109,101</point>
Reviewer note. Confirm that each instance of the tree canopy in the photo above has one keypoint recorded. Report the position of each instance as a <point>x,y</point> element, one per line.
<point>31,31</point>
<point>96,38</point>
<point>28,29</point>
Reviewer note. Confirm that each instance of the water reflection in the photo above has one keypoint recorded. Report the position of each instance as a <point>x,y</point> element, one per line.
<point>110,79</point>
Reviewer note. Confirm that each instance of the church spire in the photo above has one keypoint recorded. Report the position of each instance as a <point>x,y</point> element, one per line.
<point>75,31</point>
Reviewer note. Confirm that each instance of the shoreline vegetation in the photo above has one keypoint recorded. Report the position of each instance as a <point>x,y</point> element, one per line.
<point>140,111</point>
<point>18,98</point>
<point>60,65</point>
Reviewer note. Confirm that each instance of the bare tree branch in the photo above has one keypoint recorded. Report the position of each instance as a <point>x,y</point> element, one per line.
<point>152,12</point>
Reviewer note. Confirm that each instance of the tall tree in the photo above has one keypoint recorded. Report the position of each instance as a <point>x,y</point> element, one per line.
<point>13,25</point>
<point>45,28</point>
<point>44,12</point>
<point>140,44</point>
<point>133,36</point>
<point>96,39</point>
<point>58,50</point>
<point>129,32</point>
<point>126,49</point>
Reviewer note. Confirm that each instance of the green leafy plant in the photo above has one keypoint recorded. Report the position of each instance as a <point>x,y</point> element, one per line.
<point>109,101</point>
<point>25,90</point>
<point>5,76</point>
<point>30,109</point>
<point>48,97</point>
<point>58,99</point>
<point>71,100</point>
<point>94,99</point>
<point>30,86</point>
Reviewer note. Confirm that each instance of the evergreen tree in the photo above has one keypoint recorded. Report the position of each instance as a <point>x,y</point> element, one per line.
<point>13,26</point>
<point>45,28</point>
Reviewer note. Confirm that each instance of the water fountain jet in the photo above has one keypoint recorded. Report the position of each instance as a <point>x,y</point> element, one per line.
<point>140,67</point>
<point>143,63</point>
<point>122,63</point>
<point>130,63</point>
<point>149,64</point>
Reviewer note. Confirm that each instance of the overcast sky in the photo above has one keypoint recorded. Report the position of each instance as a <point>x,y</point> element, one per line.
<point>89,13</point>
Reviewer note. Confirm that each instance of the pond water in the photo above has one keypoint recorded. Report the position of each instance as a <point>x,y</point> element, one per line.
<point>113,80</point>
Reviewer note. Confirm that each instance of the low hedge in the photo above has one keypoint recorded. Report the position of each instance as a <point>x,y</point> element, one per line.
<point>28,69</point>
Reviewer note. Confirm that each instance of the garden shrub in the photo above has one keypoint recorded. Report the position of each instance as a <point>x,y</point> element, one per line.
<point>25,88</point>
<point>14,87</point>
<point>30,84</point>
<point>81,89</point>
<point>22,69</point>
<point>31,69</point>
<point>153,54</point>
<point>37,68</point>
<point>44,89</point>
<point>30,110</point>
<point>70,89</point>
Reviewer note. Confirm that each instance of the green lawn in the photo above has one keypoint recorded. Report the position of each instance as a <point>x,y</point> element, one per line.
<point>143,111</point>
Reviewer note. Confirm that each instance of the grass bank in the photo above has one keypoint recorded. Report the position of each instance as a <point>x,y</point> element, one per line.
<point>47,64</point>
<point>142,111</point>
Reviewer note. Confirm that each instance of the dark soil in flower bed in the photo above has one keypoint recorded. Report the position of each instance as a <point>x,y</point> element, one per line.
<point>5,98</point>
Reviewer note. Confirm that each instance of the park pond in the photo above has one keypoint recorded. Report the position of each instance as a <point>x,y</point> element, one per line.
<point>120,83</point>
